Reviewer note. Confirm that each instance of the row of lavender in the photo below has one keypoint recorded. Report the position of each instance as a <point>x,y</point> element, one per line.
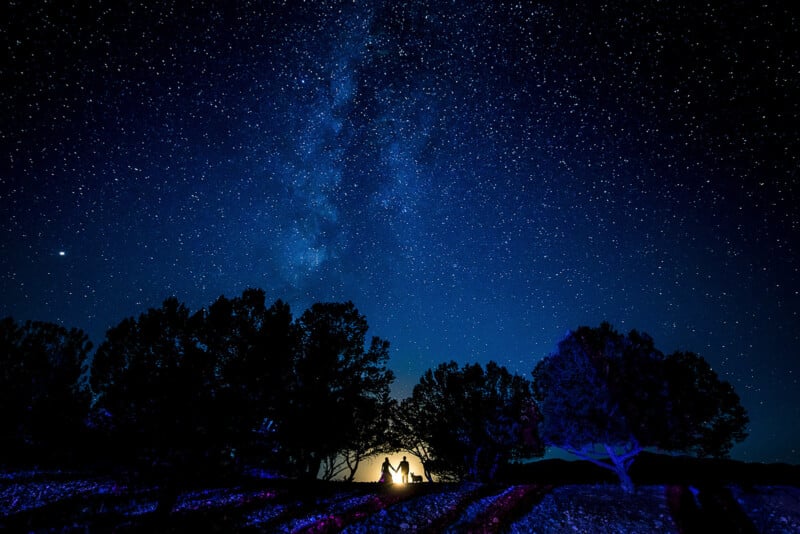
<point>82,503</point>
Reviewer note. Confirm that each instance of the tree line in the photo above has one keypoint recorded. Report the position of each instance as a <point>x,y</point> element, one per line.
<point>241,385</point>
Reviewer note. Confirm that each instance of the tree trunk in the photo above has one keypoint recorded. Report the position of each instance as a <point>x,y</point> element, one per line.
<point>426,472</point>
<point>620,468</point>
<point>353,469</point>
<point>311,464</point>
<point>619,463</point>
<point>624,479</point>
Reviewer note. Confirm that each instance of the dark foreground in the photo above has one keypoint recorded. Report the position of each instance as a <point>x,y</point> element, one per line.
<point>58,502</point>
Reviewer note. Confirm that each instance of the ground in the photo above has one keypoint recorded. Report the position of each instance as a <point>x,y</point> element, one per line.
<point>64,502</point>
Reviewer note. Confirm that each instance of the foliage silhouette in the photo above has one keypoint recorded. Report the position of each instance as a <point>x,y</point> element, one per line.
<point>204,392</point>
<point>43,401</point>
<point>156,386</point>
<point>705,414</point>
<point>336,386</point>
<point>253,347</point>
<point>605,397</point>
<point>466,422</point>
<point>371,437</point>
<point>188,394</point>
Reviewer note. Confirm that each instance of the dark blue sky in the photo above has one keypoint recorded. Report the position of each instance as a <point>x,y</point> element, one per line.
<point>477,177</point>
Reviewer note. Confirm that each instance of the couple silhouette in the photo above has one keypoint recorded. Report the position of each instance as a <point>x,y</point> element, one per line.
<point>387,468</point>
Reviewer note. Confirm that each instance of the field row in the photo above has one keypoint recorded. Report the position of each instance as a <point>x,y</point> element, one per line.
<point>289,507</point>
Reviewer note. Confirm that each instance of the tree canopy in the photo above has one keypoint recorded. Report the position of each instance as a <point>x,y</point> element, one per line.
<point>466,422</point>
<point>43,401</point>
<point>156,384</point>
<point>337,384</point>
<point>606,396</point>
<point>241,382</point>
<point>254,347</point>
<point>241,379</point>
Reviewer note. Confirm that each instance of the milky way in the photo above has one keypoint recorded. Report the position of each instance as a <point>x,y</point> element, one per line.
<point>477,177</point>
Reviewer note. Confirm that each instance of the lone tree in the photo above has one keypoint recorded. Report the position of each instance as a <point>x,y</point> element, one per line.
<point>466,422</point>
<point>605,397</point>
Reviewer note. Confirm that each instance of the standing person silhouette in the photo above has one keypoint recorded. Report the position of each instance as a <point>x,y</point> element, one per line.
<point>386,475</point>
<point>403,467</point>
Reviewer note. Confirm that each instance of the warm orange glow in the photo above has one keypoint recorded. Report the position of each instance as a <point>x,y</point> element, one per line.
<point>370,469</point>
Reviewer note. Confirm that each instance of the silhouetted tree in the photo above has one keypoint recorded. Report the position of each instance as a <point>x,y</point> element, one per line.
<point>193,393</point>
<point>467,422</point>
<point>409,416</point>
<point>43,402</point>
<point>372,418</point>
<point>254,349</point>
<point>705,415</point>
<point>155,384</point>
<point>334,380</point>
<point>605,397</point>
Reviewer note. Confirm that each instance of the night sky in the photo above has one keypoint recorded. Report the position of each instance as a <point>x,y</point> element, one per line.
<point>477,177</point>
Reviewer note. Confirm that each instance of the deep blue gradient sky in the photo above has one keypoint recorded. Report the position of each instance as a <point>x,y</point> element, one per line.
<point>477,177</point>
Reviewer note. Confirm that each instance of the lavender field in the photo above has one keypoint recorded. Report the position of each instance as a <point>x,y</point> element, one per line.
<point>61,502</point>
